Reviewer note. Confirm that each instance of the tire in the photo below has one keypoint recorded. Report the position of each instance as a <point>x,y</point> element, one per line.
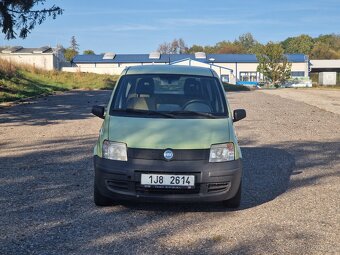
<point>99,199</point>
<point>234,202</point>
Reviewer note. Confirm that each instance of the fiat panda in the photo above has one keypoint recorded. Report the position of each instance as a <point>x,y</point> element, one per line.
<point>168,136</point>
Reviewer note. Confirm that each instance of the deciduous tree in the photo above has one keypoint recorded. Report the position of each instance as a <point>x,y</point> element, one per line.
<point>326,47</point>
<point>88,52</point>
<point>273,64</point>
<point>247,41</point>
<point>301,44</point>
<point>177,46</point>
<point>69,54</point>
<point>227,47</point>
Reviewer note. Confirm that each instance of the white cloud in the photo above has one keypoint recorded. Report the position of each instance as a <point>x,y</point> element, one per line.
<point>116,28</point>
<point>121,11</point>
<point>197,21</point>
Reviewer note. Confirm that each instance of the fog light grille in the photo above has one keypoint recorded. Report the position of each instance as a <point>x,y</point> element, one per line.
<point>117,185</point>
<point>218,187</point>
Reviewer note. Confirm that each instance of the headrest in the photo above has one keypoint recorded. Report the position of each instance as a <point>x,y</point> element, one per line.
<point>145,86</point>
<point>192,87</point>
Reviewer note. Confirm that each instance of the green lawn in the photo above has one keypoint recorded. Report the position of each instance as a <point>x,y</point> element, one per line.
<point>23,83</point>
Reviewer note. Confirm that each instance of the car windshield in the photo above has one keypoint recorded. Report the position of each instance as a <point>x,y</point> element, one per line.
<point>169,96</point>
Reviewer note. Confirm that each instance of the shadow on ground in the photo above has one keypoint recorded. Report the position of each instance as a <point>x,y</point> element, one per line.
<point>73,105</point>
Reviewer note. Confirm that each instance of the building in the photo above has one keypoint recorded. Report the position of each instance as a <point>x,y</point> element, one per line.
<point>232,68</point>
<point>326,71</point>
<point>46,58</point>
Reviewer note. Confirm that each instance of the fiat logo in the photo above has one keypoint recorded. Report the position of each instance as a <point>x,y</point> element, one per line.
<point>168,154</point>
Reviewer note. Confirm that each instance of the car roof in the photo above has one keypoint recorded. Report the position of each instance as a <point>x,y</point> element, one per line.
<point>170,69</point>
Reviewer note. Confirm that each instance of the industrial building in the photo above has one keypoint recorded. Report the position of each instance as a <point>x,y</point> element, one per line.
<point>232,68</point>
<point>326,70</point>
<point>46,58</point>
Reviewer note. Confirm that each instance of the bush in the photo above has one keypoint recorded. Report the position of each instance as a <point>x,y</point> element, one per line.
<point>231,87</point>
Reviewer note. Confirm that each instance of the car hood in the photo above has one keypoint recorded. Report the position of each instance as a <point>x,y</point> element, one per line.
<point>160,133</point>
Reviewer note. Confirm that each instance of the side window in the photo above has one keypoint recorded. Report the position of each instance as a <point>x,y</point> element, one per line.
<point>124,92</point>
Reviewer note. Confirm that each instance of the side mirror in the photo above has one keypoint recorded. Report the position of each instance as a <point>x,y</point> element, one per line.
<point>239,114</point>
<point>98,111</point>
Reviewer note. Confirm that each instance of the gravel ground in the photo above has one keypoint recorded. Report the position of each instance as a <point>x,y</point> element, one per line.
<point>290,191</point>
<point>326,99</point>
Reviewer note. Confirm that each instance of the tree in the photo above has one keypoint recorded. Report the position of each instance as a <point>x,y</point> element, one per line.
<point>182,46</point>
<point>301,44</point>
<point>88,52</point>
<point>333,40</point>
<point>195,48</point>
<point>74,44</point>
<point>71,51</point>
<point>324,51</point>
<point>164,48</point>
<point>326,47</point>
<point>247,41</point>
<point>227,47</point>
<point>18,15</point>
<point>273,64</point>
<point>177,46</point>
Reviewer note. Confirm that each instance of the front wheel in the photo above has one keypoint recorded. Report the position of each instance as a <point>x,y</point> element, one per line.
<point>236,200</point>
<point>99,199</point>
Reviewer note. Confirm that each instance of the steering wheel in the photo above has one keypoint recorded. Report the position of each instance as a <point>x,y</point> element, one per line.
<point>197,101</point>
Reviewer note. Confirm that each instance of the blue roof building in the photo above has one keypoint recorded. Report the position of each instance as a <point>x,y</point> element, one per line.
<point>232,68</point>
<point>169,58</point>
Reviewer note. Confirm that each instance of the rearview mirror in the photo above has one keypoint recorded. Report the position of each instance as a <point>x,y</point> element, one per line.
<point>98,111</point>
<point>239,114</point>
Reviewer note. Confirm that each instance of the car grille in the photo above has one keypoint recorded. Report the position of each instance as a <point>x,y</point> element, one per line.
<point>179,155</point>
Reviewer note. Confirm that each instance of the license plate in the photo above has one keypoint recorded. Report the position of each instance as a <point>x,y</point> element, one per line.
<point>168,181</point>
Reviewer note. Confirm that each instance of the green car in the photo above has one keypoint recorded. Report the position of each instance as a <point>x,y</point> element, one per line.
<point>168,136</point>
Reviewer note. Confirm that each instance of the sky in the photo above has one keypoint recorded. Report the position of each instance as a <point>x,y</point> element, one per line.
<point>139,26</point>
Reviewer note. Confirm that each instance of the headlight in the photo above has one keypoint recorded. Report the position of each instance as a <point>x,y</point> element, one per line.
<point>114,150</point>
<point>222,152</point>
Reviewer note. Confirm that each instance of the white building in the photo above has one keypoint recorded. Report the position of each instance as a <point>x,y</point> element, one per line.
<point>327,71</point>
<point>46,58</point>
<point>232,68</point>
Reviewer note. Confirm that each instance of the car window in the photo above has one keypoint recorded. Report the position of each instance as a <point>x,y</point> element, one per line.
<point>171,93</point>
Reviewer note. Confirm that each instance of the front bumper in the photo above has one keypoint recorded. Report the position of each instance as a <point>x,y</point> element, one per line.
<point>213,181</point>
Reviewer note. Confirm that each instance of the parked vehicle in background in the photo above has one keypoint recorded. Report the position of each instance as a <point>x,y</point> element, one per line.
<point>168,135</point>
<point>298,83</point>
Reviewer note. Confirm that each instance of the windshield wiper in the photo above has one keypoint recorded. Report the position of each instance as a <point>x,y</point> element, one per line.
<point>146,112</point>
<point>203,114</point>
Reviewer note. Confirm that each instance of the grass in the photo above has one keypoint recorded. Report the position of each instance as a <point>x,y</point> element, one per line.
<point>21,81</point>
